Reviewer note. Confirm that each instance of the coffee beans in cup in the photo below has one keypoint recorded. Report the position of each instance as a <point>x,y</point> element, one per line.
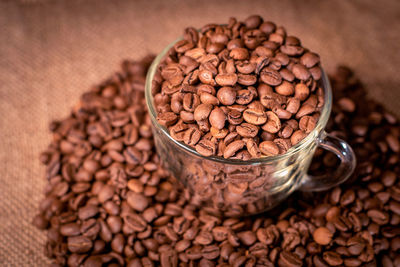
<point>246,87</point>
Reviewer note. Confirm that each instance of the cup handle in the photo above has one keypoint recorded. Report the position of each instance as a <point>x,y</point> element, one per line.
<point>341,174</point>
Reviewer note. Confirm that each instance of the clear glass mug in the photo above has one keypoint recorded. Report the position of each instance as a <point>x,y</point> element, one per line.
<point>232,187</point>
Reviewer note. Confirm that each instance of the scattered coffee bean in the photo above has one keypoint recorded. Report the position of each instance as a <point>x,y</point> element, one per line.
<point>322,236</point>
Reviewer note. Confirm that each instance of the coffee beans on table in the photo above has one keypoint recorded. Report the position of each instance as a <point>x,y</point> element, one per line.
<point>246,78</point>
<point>108,201</point>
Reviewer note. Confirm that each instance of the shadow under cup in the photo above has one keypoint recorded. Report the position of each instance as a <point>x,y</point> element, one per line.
<point>233,187</point>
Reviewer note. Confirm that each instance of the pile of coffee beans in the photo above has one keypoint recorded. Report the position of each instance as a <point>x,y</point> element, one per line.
<point>241,88</point>
<point>108,202</point>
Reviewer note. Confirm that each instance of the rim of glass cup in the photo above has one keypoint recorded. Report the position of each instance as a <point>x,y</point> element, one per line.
<point>310,138</point>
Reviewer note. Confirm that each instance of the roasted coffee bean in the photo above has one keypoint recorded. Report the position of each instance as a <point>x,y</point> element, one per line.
<point>244,97</point>
<point>135,221</point>
<point>137,201</point>
<point>235,117</point>
<point>273,124</point>
<point>87,211</point>
<point>269,148</point>
<point>206,148</point>
<point>167,119</point>
<point>254,116</point>
<point>332,258</point>
<point>232,148</point>
<point>332,214</point>
<point>270,76</point>
<point>378,216</point>
<point>322,236</point>
<point>309,59</point>
<point>301,91</point>
<point>79,244</point>
<point>297,136</point>
<point>228,79</point>
<point>217,118</point>
<point>289,259</point>
<point>210,252</point>
<point>239,53</point>
<point>307,124</point>
<point>192,136</point>
<point>285,88</point>
<point>301,72</point>
<point>207,98</point>
<point>202,112</point>
<point>247,237</point>
<point>293,105</point>
<point>226,95</point>
<point>246,79</point>
<point>70,229</point>
<point>253,148</point>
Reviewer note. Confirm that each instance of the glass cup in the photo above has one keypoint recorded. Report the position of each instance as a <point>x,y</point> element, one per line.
<point>232,187</point>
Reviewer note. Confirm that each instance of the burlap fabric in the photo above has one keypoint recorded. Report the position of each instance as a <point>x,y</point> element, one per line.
<point>52,51</point>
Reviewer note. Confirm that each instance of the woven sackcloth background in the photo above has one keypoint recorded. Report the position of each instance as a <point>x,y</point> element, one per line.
<point>53,50</point>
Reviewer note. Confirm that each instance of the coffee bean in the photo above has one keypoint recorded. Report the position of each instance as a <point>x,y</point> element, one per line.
<point>226,95</point>
<point>194,253</point>
<point>232,148</point>
<point>239,53</point>
<point>332,258</point>
<point>253,21</point>
<point>301,91</point>
<point>167,119</point>
<point>246,79</point>
<point>247,237</point>
<point>137,201</point>
<point>304,110</point>
<point>307,124</point>
<point>297,136</point>
<point>192,136</point>
<point>244,97</point>
<point>289,259</point>
<point>332,214</point>
<point>346,104</point>
<point>210,252</point>
<point>322,236</point>
<point>202,112</point>
<point>253,148</point>
<point>309,59</point>
<point>79,244</point>
<point>70,229</point>
<point>40,222</point>
<point>300,72</point>
<point>269,148</point>
<point>254,116</point>
<point>235,117</point>
<point>207,98</point>
<point>207,77</point>
<point>217,118</point>
<point>270,76</point>
<point>169,258</point>
<point>273,124</point>
<point>87,211</point>
<point>293,105</point>
<point>228,79</point>
<point>135,221</point>
<point>377,216</point>
<point>206,148</point>
<point>247,130</point>
<point>285,88</point>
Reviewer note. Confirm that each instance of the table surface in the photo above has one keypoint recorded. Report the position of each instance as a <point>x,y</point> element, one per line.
<point>52,51</point>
